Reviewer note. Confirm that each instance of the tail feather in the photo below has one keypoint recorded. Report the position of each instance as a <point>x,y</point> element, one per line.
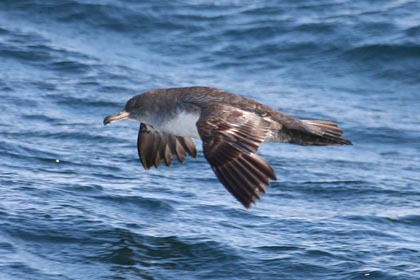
<point>318,133</point>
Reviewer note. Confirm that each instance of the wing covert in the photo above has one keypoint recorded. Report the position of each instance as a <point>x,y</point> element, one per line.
<point>231,139</point>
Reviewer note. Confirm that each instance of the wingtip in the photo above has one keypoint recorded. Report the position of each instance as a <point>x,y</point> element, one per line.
<point>347,142</point>
<point>248,205</point>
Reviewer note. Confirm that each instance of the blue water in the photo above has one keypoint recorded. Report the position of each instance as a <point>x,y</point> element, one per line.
<point>75,202</point>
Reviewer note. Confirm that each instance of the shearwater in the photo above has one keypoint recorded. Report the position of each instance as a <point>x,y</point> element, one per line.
<point>231,127</point>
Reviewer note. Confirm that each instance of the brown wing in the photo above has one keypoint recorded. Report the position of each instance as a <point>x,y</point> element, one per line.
<point>155,147</point>
<point>231,138</point>
<point>291,130</point>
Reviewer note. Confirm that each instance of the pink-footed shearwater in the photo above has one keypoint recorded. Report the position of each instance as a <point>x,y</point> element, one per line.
<point>231,127</point>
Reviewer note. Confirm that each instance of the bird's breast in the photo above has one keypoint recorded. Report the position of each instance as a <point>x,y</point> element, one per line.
<point>182,124</point>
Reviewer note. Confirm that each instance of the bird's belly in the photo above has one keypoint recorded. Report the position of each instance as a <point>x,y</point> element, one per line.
<point>182,124</point>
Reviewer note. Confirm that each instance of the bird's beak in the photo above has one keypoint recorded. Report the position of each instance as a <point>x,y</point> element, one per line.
<point>118,117</point>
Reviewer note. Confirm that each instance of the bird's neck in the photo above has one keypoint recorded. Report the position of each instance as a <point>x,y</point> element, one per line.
<point>174,118</point>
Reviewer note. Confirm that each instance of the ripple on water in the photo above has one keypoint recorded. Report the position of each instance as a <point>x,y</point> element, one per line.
<point>160,254</point>
<point>151,204</point>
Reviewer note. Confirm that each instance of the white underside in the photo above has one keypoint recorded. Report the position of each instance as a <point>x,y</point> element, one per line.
<point>182,125</point>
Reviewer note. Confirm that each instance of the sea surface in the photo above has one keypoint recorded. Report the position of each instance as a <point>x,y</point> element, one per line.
<point>75,203</point>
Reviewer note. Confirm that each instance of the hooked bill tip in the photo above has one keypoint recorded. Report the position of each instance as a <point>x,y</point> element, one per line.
<point>106,120</point>
<point>114,118</point>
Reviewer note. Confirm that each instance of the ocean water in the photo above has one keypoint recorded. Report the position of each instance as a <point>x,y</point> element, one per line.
<point>75,202</point>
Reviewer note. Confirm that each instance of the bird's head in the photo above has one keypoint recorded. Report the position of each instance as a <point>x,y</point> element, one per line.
<point>132,110</point>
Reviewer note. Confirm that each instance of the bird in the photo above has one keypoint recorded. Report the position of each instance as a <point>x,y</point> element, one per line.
<point>231,127</point>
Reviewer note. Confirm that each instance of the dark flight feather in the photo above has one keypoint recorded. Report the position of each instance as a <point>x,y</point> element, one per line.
<point>231,139</point>
<point>155,147</point>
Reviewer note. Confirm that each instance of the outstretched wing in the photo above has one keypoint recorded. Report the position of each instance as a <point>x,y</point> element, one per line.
<point>155,147</point>
<point>231,138</point>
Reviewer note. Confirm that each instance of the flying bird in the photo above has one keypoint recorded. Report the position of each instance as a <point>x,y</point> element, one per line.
<point>231,127</point>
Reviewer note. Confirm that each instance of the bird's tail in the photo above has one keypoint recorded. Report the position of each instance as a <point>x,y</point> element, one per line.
<point>317,133</point>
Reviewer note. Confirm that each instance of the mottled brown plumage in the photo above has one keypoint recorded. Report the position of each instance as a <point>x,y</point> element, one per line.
<point>230,144</point>
<point>231,127</point>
